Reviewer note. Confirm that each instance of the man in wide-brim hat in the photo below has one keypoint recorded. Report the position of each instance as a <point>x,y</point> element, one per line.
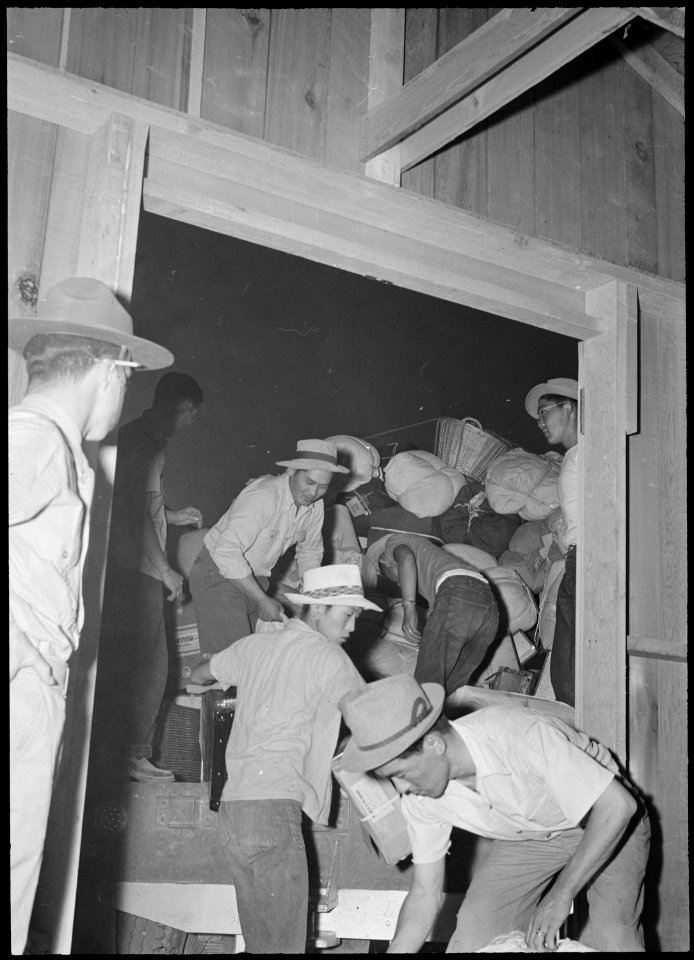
<point>290,684</point>
<point>79,350</point>
<point>552,802</point>
<point>231,575</point>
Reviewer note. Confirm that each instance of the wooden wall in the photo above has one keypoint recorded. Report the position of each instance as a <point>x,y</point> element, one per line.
<point>592,157</point>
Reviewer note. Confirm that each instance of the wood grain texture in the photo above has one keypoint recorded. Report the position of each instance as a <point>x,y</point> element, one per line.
<point>162,59</point>
<point>669,149</point>
<point>235,68</point>
<point>420,52</point>
<point>35,32</point>
<point>297,83</point>
<point>460,176</point>
<point>639,172</point>
<point>386,70</point>
<point>348,86</point>
<point>102,45</point>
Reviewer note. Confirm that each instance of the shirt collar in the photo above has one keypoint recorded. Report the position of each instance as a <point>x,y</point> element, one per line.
<point>55,411</point>
<point>486,762</point>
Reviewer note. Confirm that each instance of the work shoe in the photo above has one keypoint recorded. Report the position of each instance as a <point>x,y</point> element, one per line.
<point>141,770</point>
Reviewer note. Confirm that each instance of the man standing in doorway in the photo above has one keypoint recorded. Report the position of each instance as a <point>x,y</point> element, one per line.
<point>80,351</point>
<point>230,576</point>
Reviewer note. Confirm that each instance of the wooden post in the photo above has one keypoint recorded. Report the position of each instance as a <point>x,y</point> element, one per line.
<point>386,62</point>
<point>108,236</point>
<point>601,655</point>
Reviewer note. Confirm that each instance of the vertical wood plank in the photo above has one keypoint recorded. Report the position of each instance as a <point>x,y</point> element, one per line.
<point>460,169</point>
<point>558,158</point>
<point>420,51</point>
<point>197,60</point>
<point>669,148</point>
<point>511,165</point>
<point>31,147</point>
<point>348,86</point>
<point>235,71</point>
<point>102,45</point>
<point>639,172</point>
<point>601,682</point>
<point>162,60</point>
<point>35,32</point>
<point>603,221</point>
<point>386,64</point>
<point>107,234</point>
<point>297,88</point>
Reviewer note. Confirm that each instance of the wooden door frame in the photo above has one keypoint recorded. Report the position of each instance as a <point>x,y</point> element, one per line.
<point>201,173</point>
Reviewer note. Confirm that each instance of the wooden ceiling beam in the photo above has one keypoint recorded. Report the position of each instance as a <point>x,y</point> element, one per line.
<point>669,18</point>
<point>574,38</point>
<point>654,68</point>
<point>484,53</point>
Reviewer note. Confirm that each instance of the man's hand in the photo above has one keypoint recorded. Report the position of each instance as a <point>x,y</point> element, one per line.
<point>201,673</point>
<point>173,581</point>
<point>188,516</point>
<point>410,625</point>
<point>269,609</point>
<point>542,934</point>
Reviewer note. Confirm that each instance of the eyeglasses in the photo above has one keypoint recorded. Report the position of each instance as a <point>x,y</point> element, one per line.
<point>541,413</point>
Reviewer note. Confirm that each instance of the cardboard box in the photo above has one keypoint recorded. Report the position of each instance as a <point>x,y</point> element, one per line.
<point>378,803</point>
<point>186,644</point>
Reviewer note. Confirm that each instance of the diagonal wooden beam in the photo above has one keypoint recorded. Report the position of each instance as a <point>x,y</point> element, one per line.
<point>574,38</point>
<point>654,68</point>
<point>669,18</point>
<point>484,53</point>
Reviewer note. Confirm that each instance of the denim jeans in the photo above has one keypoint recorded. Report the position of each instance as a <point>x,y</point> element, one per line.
<point>562,665</point>
<point>266,853</point>
<point>458,633</point>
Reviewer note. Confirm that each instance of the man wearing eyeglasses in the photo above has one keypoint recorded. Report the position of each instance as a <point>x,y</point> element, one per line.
<point>79,350</point>
<point>554,405</point>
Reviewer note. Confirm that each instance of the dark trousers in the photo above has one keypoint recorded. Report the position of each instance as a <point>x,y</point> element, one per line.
<point>459,631</point>
<point>267,857</point>
<point>223,613</point>
<point>133,659</point>
<point>562,665</point>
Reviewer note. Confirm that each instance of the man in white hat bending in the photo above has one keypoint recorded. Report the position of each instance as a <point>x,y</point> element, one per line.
<point>230,576</point>
<point>551,800</point>
<point>289,689</point>
<point>80,351</point>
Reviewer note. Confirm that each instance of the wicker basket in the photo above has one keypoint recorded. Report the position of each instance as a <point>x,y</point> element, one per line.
<point>464,445</point>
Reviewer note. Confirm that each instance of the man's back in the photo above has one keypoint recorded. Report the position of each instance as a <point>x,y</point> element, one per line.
<point>287,720</point>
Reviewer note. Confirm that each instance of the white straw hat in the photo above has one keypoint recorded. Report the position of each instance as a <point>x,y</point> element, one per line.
<point>560,386</point>
<point>338,584</point>
<point>314,455</point>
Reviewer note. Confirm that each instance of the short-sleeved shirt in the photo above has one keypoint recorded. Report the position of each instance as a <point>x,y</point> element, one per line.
<point>50,490</point>
<point>138,494</point>
<point>567,486</point>
<point>287,721</point>
<point>433,563</point>
<point>260,525</point>
<point>535,776</point>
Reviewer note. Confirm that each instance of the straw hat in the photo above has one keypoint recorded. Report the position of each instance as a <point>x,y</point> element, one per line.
<point>338,584</point>
<point>314,455</point>
<point>386,717</point>
<point>561,386</point>
<point>85,307</point>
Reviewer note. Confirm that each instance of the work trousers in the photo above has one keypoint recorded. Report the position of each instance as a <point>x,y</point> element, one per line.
<point>223,612</point>
<point>133,660</point>
<point>37,717</point>
<point>511,880</point>
<point>562,664</point>
<point>459,631</point>
<point>267,857</point>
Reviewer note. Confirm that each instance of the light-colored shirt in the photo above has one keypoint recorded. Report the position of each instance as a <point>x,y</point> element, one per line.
<point>50,489</point>
<point>285,727</point>
<point>261,523</point>
<point>138,494</point>
<point>434,565</point>
<point>534,777</point>
<point>567,487</point>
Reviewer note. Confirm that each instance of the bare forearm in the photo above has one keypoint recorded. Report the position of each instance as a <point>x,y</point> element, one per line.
<point>417,917</point>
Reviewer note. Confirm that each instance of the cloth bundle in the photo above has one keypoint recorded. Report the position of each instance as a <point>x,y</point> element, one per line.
<point>524,483</point>
<point>422,483</point>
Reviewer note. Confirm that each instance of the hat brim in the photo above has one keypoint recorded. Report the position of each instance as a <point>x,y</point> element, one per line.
<point>533,398</point>
<point>150,355</point>
<point>356,760</point>
<point>355,600</point>
<point>312,465</point>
